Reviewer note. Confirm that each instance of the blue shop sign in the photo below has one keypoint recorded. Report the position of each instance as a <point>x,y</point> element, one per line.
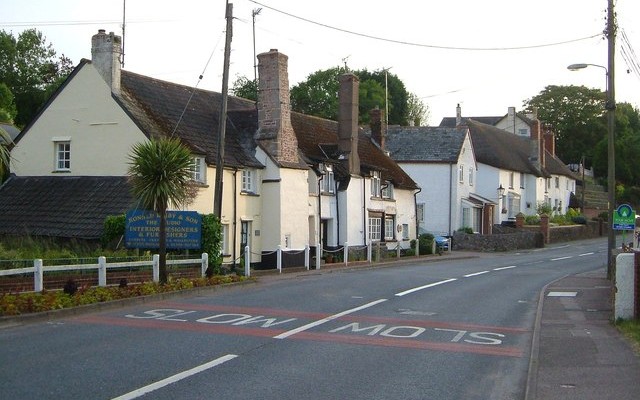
<point>142,230</point>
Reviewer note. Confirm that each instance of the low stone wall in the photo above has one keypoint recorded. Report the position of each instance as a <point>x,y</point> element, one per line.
<point>505,238</point>
<point>504,241</point>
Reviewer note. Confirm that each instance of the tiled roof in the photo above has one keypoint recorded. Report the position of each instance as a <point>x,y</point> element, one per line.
<point>501,149</point>
<point>160,107</point>
<point>70,207</point>
<point>450,122</point>
<point>318,139</point>
<point>424,143</point>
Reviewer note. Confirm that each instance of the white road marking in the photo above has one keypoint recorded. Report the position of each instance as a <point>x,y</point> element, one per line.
<point>286,334</point>
<point>586,254</point>
<point>561,258</point>
<point>425,287</point>
<point>562,294</point>
<point>503,268</point>
<point>174,378</point>
<point>476,274</point>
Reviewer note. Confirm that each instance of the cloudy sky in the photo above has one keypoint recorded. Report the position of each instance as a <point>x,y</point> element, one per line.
<point>485,55</point>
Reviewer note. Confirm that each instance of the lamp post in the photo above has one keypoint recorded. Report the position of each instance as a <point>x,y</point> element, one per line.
<point>611,170</point>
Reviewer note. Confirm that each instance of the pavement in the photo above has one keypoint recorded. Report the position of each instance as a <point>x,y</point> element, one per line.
<point>577,353</point>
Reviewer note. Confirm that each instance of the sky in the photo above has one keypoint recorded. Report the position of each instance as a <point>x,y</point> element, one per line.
<point>484,55</point>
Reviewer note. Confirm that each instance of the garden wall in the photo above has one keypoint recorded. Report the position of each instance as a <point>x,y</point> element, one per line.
<point>505,238</point>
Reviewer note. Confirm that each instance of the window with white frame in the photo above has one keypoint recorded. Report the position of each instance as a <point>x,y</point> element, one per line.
<point>248,181</point>
<point>513,204</point>
<point>461,174</point>
<point>198,169</point>
<point>511,179</point>
<point>470,176</point>
<point>225,239</point>
<point>327,184</point>
<point>63,155</point>
<point>420,212</point>
<point>523,132</point>
<point>375,184</point>
<point>557,182</point>
<point>389,228</point>
<point>375,228</point>
<point>466,217</point>
<point>405,231</point>
<point>387,190</point>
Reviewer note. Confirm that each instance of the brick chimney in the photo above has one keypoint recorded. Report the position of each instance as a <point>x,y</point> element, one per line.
<point>458,115</point>
<point>275,132</point>
<point>106,50</point>
<point>538,142</point>
<point>511,119</point>
<point>378,126</point>
<point>348,120</point>
<point>549,140</point>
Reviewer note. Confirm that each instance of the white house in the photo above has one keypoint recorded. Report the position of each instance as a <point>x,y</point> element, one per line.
<point>289,180</point>
<point>517,164</point>
<point>443,163</point>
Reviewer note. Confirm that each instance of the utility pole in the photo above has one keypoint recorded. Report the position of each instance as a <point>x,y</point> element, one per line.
<point>222,123</point>
<point>611,107</point>
<point>254,13</point>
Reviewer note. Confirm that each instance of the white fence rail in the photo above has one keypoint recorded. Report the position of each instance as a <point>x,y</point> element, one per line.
<point>102,266</point>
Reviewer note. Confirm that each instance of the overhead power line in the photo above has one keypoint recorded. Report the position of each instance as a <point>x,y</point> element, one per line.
<point>432,46</point>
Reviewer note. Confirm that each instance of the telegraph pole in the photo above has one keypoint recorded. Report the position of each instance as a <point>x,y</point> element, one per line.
<point>217,198</point>
<point>611,107</point>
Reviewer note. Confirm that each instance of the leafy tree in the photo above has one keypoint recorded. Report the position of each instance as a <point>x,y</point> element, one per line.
<point>160,172</point>
<point>398,96</point>
<point>417,111</point>
<point>318,95</point>
<point>7,105</point>
<point>245,88</point>
<point>31,70</point>
<point>627,146</point>
<point>575,114</point>
<point>5,155</point>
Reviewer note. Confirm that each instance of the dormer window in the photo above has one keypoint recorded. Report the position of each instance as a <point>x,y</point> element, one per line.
<point>248,181</point>
<point>198,170</point>
<point>327,184</point>
<point>387,190</point>
<point>375,184</point>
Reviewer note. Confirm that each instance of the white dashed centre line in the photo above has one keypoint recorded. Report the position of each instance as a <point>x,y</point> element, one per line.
<point>174,378</point>
<point>476,274</point>
<point>503,268</point>
<point>286,334</point>
<point>561,258</point>
<point>425,287</point>
<point>586,254</point>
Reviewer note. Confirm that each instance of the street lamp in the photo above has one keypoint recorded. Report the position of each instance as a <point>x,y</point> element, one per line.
<point>610,106</point>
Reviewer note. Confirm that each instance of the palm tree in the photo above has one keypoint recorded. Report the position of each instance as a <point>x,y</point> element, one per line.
<point>160,175</point>
<point>5,155</point>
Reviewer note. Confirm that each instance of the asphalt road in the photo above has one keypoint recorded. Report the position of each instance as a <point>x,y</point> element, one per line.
<point>452,329</point>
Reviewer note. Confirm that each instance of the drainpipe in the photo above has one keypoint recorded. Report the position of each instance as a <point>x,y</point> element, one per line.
<point>335,184</point>
<point>235,215</point>
<point>364,211</point>
<point>450,194</point>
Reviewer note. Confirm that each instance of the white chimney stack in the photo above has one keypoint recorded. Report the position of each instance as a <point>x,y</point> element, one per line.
<point>106,50</point>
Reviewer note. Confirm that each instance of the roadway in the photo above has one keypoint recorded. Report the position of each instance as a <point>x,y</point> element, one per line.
<point>451,329</point>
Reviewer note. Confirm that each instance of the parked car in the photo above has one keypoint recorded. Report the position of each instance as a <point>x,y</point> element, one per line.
<point>442,243</point>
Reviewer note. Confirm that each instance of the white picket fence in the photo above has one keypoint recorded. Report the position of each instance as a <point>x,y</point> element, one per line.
<point>102,266</point>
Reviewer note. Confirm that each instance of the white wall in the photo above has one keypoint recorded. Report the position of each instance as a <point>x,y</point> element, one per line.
<point>100,132</point>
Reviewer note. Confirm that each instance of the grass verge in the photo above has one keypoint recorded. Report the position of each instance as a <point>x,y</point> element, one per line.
<point>631,329</point>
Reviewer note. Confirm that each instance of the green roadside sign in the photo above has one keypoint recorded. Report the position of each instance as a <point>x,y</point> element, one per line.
<point>624,218</point>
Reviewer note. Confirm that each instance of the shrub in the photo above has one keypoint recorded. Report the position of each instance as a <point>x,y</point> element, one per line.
<point>466,229</point>
<point>426,242</point>
<point>113,228</point>
<point>532,220</point>
<point>579,219</point>
<point>543,208</point>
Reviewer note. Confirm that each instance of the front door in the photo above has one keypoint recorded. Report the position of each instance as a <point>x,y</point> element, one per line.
<point>245,235</point>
